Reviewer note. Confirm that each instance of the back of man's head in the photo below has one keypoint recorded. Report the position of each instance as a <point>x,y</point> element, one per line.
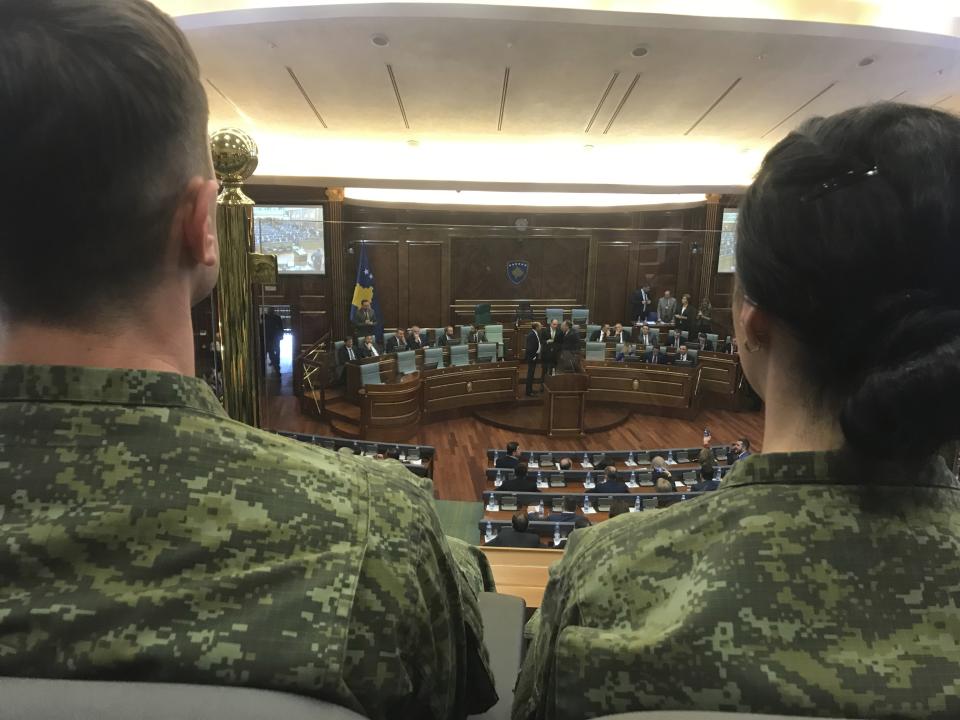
<point>610,473</point>
<point>520,471</point>
<point>570,504</point>
<point>520,522</point>
<point>105,121</point>
<point>566,463</point>
<point>618,507</point>
<point>512,447</point>
<point>663,485</point>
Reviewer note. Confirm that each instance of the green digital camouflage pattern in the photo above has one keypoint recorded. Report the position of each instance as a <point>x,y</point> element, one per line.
<point>800,587</point>
<point>144,535</point>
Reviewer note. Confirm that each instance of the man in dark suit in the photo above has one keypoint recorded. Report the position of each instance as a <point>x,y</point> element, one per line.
<point>347,353</point>
<point>521,481</point>
<point>655,357</point>
<point>273,334</point>
<point>611,483</point>
<point>640,303</point>
<point>397,342</point>
<point>516,536</point>
<point>707,480</point>
<point>568,361</point>
<point>512,458</point>
<point>741,450</point>
<point>369,348</point>
<point>364,319</point>
<point>477,335</point>
<point>601,334</point>
<point>550,339</point>
<point>620,334</point>
<point>645,338</point>
<point>683,358</point>
<point>416,340</point>
<point>533,350</point>
<point>447,338</point>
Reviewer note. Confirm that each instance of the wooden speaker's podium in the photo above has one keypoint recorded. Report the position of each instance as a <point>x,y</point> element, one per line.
<point>564,406</point>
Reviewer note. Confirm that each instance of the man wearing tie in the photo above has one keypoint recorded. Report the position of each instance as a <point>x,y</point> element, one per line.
<point>667,307</point>
<point>682,357</point>
<point>369,348</point>
<point>365,317</point>
<point>397,342</point>
<point>656,357</point>
<point>534,348</point>
<point>551,339</point>
<point>447,338</point>
<point>347,353</point>
<point>569,348</point>
<point>640,302</point>
<point>619,334</point>
<point>477,335</point>
<point>645,339</point>
<point>601,334</point>
<point>416,342</point>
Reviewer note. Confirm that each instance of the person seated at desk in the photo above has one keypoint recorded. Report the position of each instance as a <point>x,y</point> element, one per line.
<point>512,458</point>
<point>618,507</point>
<point>707,480</point>
<point>521,481</point>
<point>369,348</point>
<point>416,340</point>
<point>645,338</point>
<point>659,470</point>
<point>620,334</point>
<point>666,308</point>
<point>684,314</point>
<point>627,352</point>
<point>665,485</point>
<point>517,535</point>
<point>566,463</point>
<point>655,357</point>
<point>397,342</point>
<point>741,450</point>
<point>601,334</point>
<point>347,353</point>
<point>568,514</point>
<point>447,338</point>
<point>476,335</point>
<point>611,483</point>
<point>682,358</point>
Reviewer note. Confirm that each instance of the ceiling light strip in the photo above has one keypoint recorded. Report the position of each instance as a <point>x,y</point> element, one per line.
<point>503,97</point>
<point>603,99</point>
<point>396,91</point>
<point>942,100</point>
<point>808,102</point>
<point>711,108</point>
<point>902,92</point>
<point>623,101</point>
<point>230,102</point>
<point>296,81</point>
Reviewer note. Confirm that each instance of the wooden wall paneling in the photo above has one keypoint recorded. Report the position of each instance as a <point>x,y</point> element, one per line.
<point>612,274</point>
<point>404,320</point>
<point>424,285</point>
<point>479,266</point>
<point>563,259</point>
<point>633,276</point>
<point>384,257</point>
<point>590,293</point>
<point>313,324</point>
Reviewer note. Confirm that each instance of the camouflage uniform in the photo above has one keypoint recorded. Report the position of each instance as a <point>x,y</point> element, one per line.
<point>801,586</point>
<point>144,535</point>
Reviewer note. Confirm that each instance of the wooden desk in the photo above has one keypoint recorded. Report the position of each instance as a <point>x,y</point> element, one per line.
<point>469,385</point>
<point>721,378</point>
<point>564,407</point>
<point>391,412</point>
<point>522,572</point>
<point>657,386</point>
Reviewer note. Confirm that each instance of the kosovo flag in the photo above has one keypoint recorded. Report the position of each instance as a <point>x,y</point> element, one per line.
<point>364,290</point>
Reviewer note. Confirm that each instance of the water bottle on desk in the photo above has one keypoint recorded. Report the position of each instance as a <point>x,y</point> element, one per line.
<point>587,508</point>
<point>636,505</point>
<point>556,534</point>
<point>630,460</point>
<point>533,459</point>
<point>670,460</point>
<point>496,456</point>
<point>716,473</point>
<point>540,508</point>
<point>585,461</point>
<point>633,477</point>
<point>489,533</point>
<point>499,479</point>
<point>492,503</point>
<point>403,455</point>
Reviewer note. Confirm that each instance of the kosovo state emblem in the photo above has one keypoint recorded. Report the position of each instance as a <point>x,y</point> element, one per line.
<point>517,271</point>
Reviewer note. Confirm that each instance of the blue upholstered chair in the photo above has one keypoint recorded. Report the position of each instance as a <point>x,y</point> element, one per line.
<point>370,374</point>
<point>433,355</point>
<point>580,316</point>
<point>437,334</point>
<point>554,314</point>
<point>459,355</point>
<point>591,329</point>
<point>486,352</point>
<point>494,334</point>
<point>654,336</point>
<point>596,351</point>
<point>694,355</point>
<point>713,339</point>
<point>407,362</point>
<point>465,333</point>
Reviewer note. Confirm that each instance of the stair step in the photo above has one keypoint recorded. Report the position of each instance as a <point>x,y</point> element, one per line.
<point>344,428</point>
<point>343,410</point>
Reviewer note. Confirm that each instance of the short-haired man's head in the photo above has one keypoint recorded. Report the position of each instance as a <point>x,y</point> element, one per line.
<point>364,303</point>
<point>570,503</point>
<point>610,473</point>
<point>663,485</point>
<point>666,293</point>
<point>535,325</point>
<point>348,341</point>
<point>519,521</point>
<point>618,507</point>
<point>415,330</point>
<point>513,447</point>
<point>565,325</point>
<point>554,323</point>
<point>683,349</point>
<point>741,445</point>
<point>399,332</point>
<point>368,339</point>
<point>520,471</point>
<point>566,463</point>
<point>618,327</point>
<point>106,96</point>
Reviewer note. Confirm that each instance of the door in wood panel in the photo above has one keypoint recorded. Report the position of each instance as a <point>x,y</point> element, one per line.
<point>612,293</point>
<point>424,284</point>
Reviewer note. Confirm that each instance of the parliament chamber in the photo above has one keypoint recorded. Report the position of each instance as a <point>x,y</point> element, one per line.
<point>553,362</point>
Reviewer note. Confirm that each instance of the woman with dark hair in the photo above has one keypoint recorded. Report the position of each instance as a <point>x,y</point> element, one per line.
<point>822,577</point>
<point>684,314</point>
<point>705,316</point>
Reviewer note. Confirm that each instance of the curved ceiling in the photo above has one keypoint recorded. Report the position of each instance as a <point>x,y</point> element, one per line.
<point>498,96</point>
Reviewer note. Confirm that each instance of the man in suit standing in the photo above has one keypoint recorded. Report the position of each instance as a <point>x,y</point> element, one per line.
<point>397,342</point>
<point>273,334</point>
<point>512,458</point>
<point>364,318</point>
<point>534,348</point>
<point>569,348</point>
<point>416,341</point>
<point>369,348</point>
<point>550,339</point>
<point>666,307</point>
<point>640,303</point>
<point>447,338</point>
<point>620,334</point>
<point>517,535</point>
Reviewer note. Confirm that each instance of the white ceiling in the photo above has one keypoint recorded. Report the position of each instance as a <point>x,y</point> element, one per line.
<point>449,65</point>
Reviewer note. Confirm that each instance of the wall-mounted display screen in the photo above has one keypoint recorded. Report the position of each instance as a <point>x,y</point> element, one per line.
<point>293,234</point>
<point>727,257</point>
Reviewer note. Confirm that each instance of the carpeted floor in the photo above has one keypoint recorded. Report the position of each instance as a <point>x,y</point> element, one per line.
<point>459,519</point>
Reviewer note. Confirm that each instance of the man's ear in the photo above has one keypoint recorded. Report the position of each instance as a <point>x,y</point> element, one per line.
<point>199,222</point>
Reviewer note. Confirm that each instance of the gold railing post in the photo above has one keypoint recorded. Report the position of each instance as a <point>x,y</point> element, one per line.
<point>235,159</point>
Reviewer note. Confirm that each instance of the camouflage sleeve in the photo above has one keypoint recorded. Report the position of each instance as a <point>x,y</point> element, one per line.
<point>533,696</point>
<point>473,565</point>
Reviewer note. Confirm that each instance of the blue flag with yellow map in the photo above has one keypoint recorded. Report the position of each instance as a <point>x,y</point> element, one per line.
<point>364,290</point>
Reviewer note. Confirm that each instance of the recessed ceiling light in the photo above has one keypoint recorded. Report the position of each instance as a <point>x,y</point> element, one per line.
<point>761,57</point>
<point>380,40</point>
<point>866,61</point>
<point>413,143</point>
<point>639,51</point>
<point>588,147</point>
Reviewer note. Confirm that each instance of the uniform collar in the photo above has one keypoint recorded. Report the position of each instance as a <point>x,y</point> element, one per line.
<point>836,467</point>
<point>102,386</point>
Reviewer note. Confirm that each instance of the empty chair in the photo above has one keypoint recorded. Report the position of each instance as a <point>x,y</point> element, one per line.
<point>712,339</point>
<point>524,310</point>
<point>486,352</point>
<point>481,314</point>
<point>591,329</point>
<point>494,334</point>
<point>554,314</point>
<point>693,354</point>
<point>465,333</point>
<point>459,355</point>
<point>370,374</point>
<point>654,336</point>
<point>580,316</point>
<point>407,362</point>
<point>596,351</point>
<point>433,355</point>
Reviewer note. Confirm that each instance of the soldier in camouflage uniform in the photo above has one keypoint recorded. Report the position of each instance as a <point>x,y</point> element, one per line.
<point>143,534</point>
<point>823,577</point>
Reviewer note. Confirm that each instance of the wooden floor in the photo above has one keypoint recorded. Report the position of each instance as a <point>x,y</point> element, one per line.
<point>461,441</point>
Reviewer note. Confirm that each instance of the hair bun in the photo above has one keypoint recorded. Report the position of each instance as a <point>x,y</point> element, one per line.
<point>907,410</point>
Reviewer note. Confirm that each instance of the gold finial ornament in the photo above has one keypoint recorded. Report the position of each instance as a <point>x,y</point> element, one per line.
<point>235,155</point>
